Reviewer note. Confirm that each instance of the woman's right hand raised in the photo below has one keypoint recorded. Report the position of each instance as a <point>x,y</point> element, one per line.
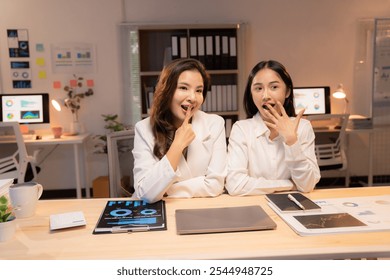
<point>184,135</point>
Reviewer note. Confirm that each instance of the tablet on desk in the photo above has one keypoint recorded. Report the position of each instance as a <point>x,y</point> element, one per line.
<point>227,219</point>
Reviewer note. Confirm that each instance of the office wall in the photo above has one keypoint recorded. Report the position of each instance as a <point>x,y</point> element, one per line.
<point>75,21</point>
<point>314,39</point>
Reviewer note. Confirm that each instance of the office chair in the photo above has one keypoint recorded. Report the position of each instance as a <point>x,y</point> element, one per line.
<point>15,163</point>
<point>330,142</point>
<point>120,163</point>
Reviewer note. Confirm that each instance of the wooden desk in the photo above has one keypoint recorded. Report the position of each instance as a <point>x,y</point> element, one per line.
<point>78,142</point>
<point>33,239</point>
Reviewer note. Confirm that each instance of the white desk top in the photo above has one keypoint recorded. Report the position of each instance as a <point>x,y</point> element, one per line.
<point>34,240</point>
<point>49,139</point>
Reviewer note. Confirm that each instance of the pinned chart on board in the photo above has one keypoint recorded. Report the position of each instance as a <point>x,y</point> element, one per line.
<point>73,58</point>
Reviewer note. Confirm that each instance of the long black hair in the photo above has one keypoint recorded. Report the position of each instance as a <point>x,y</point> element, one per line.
<point>249,105</point>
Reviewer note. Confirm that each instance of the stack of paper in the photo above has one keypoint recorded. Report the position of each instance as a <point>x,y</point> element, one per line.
<point>341,215</point>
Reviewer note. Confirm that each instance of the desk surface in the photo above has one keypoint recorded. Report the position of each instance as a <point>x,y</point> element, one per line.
<point>49,139</point>
<point>34,240</point>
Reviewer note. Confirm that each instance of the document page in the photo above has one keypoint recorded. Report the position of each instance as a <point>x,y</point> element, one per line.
<point>338,215</point>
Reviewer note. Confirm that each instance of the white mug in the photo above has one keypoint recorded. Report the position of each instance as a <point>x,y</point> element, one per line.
<point>24,198</point>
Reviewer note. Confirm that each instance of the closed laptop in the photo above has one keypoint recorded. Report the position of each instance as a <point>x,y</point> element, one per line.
<point>226,219</point>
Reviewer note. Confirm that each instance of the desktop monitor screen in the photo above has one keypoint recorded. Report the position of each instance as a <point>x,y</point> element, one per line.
<point>315,100</point>
<point>25,108</point>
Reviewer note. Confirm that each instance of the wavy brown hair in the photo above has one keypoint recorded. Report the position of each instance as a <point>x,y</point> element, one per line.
<point>161,117</point>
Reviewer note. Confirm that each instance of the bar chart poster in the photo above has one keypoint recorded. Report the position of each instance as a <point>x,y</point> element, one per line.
<point>73,58</point>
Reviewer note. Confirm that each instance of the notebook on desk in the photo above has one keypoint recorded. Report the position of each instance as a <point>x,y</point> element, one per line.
<point>226,219</point>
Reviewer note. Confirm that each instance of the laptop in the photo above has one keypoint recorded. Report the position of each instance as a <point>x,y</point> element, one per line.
<point>226,219</point>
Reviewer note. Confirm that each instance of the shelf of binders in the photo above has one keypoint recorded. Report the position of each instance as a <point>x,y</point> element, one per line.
<point>221,98</point>
<point>229,121</point>
<point>216,48</point>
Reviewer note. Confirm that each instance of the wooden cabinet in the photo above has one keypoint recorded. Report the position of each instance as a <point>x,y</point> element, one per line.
<point>149,47</point>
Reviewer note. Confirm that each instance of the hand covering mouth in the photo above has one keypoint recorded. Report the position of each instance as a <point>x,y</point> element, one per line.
<point>266,107</point>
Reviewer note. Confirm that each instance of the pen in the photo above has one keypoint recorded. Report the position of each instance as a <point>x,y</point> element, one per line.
<point>293,199</point>
<point>128,229</point>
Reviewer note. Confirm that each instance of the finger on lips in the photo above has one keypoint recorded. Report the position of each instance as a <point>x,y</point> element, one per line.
<point>188,115</point>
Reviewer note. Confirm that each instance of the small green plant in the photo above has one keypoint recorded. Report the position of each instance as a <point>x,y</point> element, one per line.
<point>5,210</point>
<point>112,124</point>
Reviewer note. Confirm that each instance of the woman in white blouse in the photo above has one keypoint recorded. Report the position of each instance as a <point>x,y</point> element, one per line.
<point>272,150</point>
<point>180,151</point>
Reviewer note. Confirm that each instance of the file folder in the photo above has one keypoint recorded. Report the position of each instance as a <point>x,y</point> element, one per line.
<point>201,50</point>
<point>175,47</point>
<point>183,47</point>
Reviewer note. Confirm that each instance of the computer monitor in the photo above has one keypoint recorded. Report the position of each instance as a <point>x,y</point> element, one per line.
<point>315,100</point>
<point>25,108</point>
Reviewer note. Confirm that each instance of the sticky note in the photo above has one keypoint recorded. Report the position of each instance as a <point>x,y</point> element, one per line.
<point>90,83</point>
<point>73,83</point>
<point>57,84</point>
<point>39,47</point>
<point>42,74</point>
<point>40,61</point>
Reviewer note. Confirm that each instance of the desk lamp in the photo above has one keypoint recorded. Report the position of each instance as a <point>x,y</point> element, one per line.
<point>340,94</point>
<point>75,127</point>
<point>57,104</point>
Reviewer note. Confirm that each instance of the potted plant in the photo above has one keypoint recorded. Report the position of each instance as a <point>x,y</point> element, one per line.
<point>75,93</point>
<point>7,220</point>
<point>112,124</point>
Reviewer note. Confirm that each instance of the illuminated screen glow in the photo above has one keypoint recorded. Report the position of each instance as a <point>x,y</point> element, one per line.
<point>25,108</point>
<point>315,100</point>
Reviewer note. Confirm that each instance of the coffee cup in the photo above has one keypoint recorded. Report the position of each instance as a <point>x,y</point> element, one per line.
<point>57,131</point>
<point>24,198</point>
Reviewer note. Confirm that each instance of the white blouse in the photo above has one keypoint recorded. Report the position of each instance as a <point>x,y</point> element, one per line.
<point>258,165</point>
<point>201,175</point>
